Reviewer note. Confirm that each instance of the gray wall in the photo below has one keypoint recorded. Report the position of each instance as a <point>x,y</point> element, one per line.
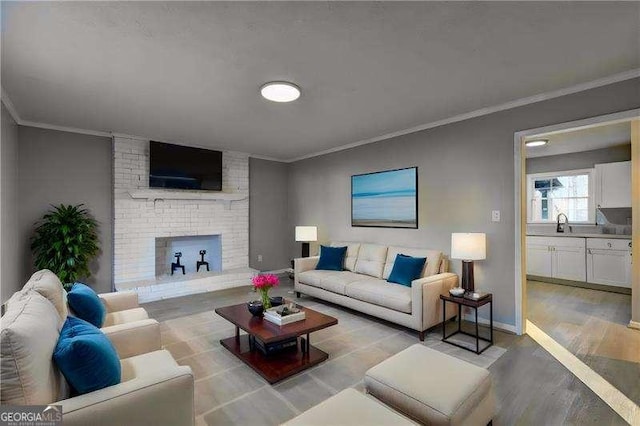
<point>59,167</point>
<point>465,171</point>
<point>10,276</point>
<point>269,229</point>
<point>578,160</point>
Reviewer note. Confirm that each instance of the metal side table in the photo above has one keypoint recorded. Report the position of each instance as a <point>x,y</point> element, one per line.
<point>475,304</point>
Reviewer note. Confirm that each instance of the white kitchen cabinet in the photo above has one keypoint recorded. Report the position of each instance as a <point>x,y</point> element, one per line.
<point>609,262</point>
<point>556,257</point>
<point>569,263</point>
<point>613,184</point>
<point>538,259</point>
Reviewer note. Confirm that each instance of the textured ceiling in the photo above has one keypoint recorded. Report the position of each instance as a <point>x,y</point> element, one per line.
<point>191,72</point>
<point>605,136</point>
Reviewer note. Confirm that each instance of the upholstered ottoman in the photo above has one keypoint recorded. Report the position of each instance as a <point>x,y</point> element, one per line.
<point>433,388</point>
<point>347,408</point>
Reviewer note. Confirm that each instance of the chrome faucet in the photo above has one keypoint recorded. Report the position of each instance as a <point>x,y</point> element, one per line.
<point>560,227</point>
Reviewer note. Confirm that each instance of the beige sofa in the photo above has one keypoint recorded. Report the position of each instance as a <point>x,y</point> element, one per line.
<point>154,389</point>
<point>362,286</point>
<point>127,325</point>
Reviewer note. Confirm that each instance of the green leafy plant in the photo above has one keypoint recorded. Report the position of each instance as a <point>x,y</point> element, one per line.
<point>65,241</point>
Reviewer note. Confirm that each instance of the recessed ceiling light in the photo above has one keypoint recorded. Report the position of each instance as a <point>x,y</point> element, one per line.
<point>280,91</point>
<point>537,142</point>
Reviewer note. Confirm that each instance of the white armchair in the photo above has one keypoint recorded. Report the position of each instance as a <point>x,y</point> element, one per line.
<point>154,389</point>
<point>127,325</point>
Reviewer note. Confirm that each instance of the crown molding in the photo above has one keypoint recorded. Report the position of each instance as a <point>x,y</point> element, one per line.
<point>616,78</point>
<point>125,136</point>
<point>267,158</point>
<point>146,139</point>
<point>16,117</point>
<point>9,105</point>
<point>65,128</point>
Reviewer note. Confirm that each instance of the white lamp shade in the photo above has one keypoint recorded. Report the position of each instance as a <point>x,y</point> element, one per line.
<point>306,233</point>
<point>468,246</point>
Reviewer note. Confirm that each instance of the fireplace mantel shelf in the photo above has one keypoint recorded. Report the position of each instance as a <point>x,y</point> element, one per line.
<point>163,194</point>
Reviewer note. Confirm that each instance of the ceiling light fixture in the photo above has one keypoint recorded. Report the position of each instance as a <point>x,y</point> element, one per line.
<point>280,91</point>
<point>536,142</point>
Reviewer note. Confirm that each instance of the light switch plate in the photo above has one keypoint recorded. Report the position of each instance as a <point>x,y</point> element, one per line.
<point>495,216</point>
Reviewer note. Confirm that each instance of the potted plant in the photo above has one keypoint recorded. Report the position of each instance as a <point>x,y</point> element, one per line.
<point>65,241</point>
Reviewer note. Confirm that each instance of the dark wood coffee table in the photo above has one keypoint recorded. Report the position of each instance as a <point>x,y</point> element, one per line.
<point>278,366</point>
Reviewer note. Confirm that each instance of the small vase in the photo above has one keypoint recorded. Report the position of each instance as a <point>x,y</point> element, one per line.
<point>256,308</point>
<point>264,295</point>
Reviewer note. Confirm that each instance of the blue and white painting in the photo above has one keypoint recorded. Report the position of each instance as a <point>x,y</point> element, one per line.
<point>385,199</point>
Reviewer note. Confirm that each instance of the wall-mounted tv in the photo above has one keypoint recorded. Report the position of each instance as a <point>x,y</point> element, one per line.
<point>184,167</point>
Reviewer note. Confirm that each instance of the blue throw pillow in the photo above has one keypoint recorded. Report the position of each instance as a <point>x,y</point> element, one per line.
<point>406,269</point>
<point>86,357</point>
<point>331,258</point>
<point>86,304</point>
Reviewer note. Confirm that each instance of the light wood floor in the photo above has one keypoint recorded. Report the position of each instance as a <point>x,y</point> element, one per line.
<point>531,386</point>
<point>592,325</point>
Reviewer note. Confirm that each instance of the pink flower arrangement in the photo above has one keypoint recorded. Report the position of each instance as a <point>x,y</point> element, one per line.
<point>265,281</point>
<point>262,284</point>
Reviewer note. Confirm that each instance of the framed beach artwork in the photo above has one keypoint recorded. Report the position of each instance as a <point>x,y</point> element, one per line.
<point>387,199</point>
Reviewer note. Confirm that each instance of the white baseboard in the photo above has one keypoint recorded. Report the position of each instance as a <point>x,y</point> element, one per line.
<point>634,324</point>
<point>496,324</point>
<point>276,271</point>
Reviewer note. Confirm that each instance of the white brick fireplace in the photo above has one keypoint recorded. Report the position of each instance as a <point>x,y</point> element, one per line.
<point>143,216</point>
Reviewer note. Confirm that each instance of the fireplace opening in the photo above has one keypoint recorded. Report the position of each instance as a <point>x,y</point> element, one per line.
<point>192,254</point>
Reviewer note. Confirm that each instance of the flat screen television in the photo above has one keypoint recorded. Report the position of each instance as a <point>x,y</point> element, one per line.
<point>184,167</point>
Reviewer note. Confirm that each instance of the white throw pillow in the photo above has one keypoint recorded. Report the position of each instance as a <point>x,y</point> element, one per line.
<point>48,285</point>
<point>29,334</point>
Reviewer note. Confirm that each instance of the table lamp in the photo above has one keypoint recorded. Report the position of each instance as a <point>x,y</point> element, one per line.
<point>306,234</point>
<point>468,247</point>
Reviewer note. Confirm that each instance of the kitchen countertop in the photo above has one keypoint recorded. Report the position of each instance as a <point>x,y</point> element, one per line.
<point>578,235</point>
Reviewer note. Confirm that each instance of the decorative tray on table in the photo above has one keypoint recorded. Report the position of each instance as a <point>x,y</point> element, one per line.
<point>475,295</point>
<point>284,314</point>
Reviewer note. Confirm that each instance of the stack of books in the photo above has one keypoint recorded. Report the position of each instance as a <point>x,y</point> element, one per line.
<point>276,347</point>
<point>285,314</point>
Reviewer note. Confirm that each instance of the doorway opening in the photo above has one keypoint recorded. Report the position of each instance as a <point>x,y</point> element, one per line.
<point>577,221</point>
